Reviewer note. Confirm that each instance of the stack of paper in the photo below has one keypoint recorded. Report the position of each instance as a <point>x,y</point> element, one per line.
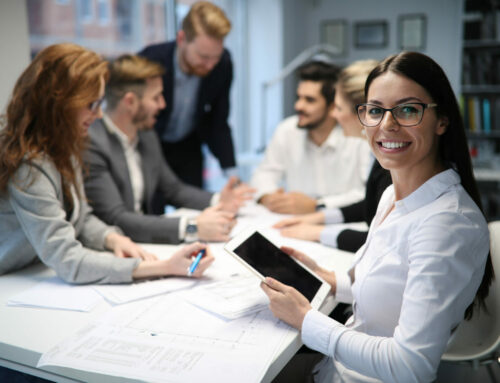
<point>54,293</point>
<point>232,298</point>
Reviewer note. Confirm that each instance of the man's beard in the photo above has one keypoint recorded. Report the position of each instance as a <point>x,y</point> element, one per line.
<point>315,124</point>
<point>191,70</point>
<point>140,119</point>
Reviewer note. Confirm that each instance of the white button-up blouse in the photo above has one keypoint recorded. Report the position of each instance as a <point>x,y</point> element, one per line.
<point>418,271</point>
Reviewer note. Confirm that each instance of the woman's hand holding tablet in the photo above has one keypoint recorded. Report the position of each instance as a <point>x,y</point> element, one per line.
<point>286,303</point>
<point>289,278</point>
<point>327,275</point>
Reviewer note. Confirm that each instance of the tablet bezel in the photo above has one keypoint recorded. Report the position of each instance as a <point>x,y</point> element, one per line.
<point>241,237</point>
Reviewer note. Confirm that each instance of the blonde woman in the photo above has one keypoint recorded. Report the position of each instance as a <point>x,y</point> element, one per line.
<point>325,226</point>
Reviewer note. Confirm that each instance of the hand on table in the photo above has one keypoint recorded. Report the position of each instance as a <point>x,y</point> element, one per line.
<point>124,247</point>
<point>288,203</point>
<point>215,224</point>
<point>234,194</point>
<point>178,264</point>
<point>316,218</point>
<point>303,231</point>
<point>181,260</point>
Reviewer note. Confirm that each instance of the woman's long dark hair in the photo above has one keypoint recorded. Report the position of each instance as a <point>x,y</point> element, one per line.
<point>453,148</point>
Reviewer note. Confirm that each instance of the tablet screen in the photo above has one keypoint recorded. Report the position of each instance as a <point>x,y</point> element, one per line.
<point>271,261</point>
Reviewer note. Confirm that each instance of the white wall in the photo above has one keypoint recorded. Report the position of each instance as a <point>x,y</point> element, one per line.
<point>444,30</point>
<point>14,45</point>
<point>255,42</point>
<point>265,60</point>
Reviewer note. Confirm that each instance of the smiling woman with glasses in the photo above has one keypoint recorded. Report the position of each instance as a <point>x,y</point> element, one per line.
<point>425,264</point>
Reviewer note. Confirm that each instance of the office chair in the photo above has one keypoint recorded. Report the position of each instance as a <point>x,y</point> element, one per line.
<point>477,341</point>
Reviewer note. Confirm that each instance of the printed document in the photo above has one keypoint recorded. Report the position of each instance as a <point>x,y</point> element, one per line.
<point>166,339</point>
<point>231,298</point>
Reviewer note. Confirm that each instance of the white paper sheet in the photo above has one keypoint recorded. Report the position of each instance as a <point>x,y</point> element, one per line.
<point>231,298</point>
<point>119,294</point>
<point>54,293</point>
<point>168,340</point>
<point>257,216</point>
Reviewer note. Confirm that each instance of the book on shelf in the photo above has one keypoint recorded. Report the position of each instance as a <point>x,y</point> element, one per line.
<point>486,116</point>
<point>496,114</point>
<point>463,109</point>
<point>471,113</point>
<point>481,67</point>
<point>477,115</point>
<point>480,114</point>
<point>495,67</point>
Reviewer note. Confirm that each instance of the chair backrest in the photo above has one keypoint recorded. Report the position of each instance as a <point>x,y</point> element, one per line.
<point>480,336</point>
<point>495,253</point>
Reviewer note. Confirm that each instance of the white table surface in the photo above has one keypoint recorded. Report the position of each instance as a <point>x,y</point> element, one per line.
<point>26,333</point>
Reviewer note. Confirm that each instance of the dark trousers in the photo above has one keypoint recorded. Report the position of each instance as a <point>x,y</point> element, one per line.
<point>299,369</point>
<point>186,159</point>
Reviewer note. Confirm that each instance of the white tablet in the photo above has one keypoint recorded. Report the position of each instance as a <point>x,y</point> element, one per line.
<point>265,259</point>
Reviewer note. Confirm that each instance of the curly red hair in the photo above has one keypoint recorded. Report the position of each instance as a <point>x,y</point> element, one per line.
<point>41,115</point>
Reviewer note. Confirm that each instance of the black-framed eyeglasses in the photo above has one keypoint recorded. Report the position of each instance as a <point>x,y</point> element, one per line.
<point>408,114</point>
<point>93,106</point>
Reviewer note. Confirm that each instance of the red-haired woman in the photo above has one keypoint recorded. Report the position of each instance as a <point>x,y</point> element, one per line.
<point>43,211</point>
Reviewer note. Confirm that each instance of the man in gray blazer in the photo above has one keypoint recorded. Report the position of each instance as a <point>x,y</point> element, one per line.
<point>126,166</point>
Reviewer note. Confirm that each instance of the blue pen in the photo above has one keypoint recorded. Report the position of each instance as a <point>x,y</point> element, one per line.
<point>195,263</point>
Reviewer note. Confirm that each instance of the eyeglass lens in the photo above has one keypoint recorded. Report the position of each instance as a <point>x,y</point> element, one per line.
<point>405,114</point>
<point>93,106</point>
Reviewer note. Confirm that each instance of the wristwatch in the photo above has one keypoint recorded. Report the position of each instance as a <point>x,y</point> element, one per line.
<point>320,206</point>
<point>191,231</point>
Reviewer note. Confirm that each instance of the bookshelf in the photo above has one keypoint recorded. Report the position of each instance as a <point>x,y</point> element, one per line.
<point>480,96</point>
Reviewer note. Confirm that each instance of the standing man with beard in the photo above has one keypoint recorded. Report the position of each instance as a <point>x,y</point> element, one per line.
<point>196,87</point>
<point>309,154</point>
<point>126,167</point>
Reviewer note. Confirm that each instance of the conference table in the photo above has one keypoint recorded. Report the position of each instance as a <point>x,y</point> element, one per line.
<point>26,333</point>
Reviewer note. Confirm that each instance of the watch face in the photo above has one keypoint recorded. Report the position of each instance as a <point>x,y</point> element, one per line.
<point>191,229</point>
<point>191,233</point>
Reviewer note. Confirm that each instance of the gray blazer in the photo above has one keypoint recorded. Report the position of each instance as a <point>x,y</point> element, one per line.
<point>34,225</point>
<point>109,188</point>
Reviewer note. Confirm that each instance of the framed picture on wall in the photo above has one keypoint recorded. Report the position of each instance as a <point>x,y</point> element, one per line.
<point>334,33</point>
<point>412,32</point>
<point>371,34</point>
